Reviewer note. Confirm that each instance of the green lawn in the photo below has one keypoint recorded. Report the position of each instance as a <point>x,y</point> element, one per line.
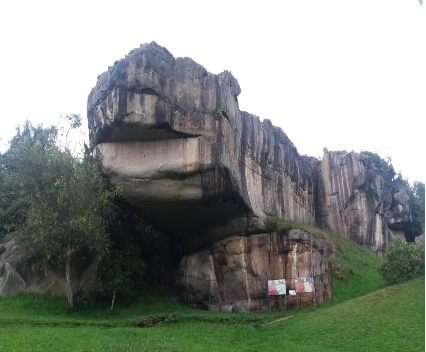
<point>390,319</point>
<point>366,316</point>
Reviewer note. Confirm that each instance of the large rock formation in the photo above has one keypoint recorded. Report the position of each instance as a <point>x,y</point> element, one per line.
<point>189,159</point>
<point>209,175</point>
<point>18,276</point>
<point>232,274</point>
<point>356,201</point>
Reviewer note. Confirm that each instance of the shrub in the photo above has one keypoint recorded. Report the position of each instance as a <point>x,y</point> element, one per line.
<point>282,227</point>
<point>271,224</point>
<point>217,114</point>
<point>403,261</point>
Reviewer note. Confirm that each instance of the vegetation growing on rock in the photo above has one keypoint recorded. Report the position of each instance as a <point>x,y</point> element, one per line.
<point>217,114</point>
<point>383,165</point>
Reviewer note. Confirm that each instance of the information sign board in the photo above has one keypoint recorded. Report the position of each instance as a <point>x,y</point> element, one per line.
<point>276,287</point>
<point>304,285</point>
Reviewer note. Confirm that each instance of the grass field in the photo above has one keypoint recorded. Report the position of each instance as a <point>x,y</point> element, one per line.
<point>366,316</point>
<point>390,319</point>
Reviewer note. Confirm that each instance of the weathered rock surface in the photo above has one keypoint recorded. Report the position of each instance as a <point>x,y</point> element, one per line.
<point>209,175</point>
<point>355,201</point>
<point>17,276</point>
<point>236,270</point>
<point>420,240</point>
<point>198,176</point>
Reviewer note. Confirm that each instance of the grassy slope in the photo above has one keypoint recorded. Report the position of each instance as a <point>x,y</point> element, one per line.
<point>391,319</point>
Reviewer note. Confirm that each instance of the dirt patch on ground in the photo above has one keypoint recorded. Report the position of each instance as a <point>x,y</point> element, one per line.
<point>278,320</point>
<point>157,320</point>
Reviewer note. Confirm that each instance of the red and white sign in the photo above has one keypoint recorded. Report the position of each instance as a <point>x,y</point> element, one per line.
<point>304,285</point>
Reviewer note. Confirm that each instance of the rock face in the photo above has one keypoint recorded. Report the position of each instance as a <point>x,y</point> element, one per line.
<point>209,175</point>
<point>235,271</point>
<point>420,240</point>
<point>16,275</point>
<point>189,159</point>
<point>355,201</point>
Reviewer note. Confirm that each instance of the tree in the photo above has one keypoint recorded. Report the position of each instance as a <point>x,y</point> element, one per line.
<point>66,205</point>
<point>419,191</point>
<point>117,274</point>
<point>417,226</point>
<point>403,261</point>
<point>22,173</point>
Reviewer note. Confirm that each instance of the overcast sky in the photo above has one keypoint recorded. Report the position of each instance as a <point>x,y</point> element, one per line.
<point>346,75</point>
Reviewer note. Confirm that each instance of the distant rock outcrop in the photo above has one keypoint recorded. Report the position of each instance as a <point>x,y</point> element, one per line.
<point>355,201</point>
<point>209,175</point>
<point>420,240</point>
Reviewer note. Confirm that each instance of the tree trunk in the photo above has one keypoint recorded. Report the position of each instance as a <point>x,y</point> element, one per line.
<point>69,286</point>
<point>112,303</point>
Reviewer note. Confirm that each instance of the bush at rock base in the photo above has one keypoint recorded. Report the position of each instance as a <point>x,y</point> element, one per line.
<point>403,261</point>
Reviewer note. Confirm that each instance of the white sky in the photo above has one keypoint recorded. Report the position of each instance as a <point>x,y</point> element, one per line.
<point>338,74</point>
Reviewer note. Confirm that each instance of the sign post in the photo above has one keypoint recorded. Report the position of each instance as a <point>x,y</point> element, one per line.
<point>277,288</point>
<point>304,284</point>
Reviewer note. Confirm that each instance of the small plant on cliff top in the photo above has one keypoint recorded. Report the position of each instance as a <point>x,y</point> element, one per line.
<point>384,166</point>
<point>403,261</point>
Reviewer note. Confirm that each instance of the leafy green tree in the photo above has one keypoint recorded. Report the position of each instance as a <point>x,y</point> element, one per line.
<point>118,274</point>
<point>68,216</point>
<point>139,255</point>
<point>58,202</point>
<point>22,173</point>
<point>403,261</point>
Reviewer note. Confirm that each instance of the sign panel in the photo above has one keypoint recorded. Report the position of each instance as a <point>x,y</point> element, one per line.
<point>276,287</point>
<point>304,285</point>
<point>292,292</point>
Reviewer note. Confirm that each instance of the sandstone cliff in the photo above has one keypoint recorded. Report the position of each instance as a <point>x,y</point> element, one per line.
<point>232,274</point>
<point>209,175</point>
<point>197,175</point>
<point>355,201</point>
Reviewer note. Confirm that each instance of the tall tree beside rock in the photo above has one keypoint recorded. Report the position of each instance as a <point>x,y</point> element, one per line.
<point>22,173</point>
<point>65,203</point>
